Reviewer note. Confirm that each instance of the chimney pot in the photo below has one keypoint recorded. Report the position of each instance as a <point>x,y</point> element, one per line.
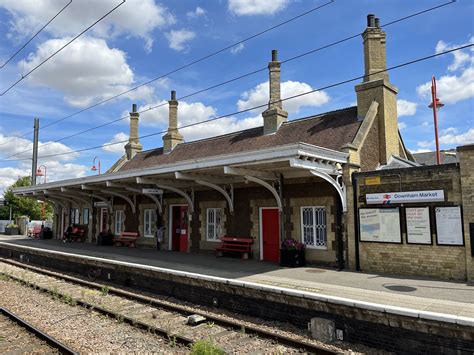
<point>173,95</point>
<point>377,22</point>
<point>274,55</point>
<point>134,108</point>
<point>370,20</point>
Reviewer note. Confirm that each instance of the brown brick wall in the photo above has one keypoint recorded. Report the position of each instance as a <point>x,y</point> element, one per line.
<point>439,261</point>
<point>369,152</point>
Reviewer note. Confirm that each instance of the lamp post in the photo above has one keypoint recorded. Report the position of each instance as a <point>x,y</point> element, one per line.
<point>39,172</point>
<point>98,165</point>
<point>435,104</point>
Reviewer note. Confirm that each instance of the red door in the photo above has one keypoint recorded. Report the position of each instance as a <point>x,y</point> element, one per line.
<point>180,228</point>
<point>271,234</point>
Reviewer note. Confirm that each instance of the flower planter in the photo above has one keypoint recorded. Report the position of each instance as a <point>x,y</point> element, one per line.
<point>11,231</point>
<point>292,258</point>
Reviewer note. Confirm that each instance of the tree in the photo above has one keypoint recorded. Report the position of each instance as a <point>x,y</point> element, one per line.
<point>23,206</point>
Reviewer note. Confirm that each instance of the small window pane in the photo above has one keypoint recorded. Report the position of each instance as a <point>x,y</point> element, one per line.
<point>313,223</point>
<point>214,224</point>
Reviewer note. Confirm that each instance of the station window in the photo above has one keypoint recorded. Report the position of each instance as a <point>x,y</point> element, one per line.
<point>119,218</point>
<point>74,216</point>
<point>85,216</point>
<point>313,227</point>
<point>214,224</point>
<point>149,222</point>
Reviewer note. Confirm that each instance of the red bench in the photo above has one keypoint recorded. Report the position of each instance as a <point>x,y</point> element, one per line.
<point>35,231</point>
<point>234,244</point>
<point>78,233</point>
<point>127,239</point>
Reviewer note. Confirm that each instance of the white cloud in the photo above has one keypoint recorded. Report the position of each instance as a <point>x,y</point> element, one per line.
<point>195,112</point>
<point>449,137</point>
<point>237,49</point>
<point>116,148</point>
<point>256,7</point>
<point>406,108</point>
<point>87,70</point>
<point>260,94</point>
<point>134,18</point>
<point>198,12</point>
<point>178,38</point>
<point>421,150</point>
<point>9,175</point>
<point>458,86</point>
<point>402,125</point>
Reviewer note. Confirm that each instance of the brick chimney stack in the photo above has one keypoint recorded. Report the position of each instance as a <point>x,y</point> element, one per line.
<point>172,137</point>
<point>376,86</point>
<point>274,116</point>
<point>133,146</point>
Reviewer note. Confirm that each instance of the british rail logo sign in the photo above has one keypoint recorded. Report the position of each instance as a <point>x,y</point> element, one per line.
<point>388,198</point>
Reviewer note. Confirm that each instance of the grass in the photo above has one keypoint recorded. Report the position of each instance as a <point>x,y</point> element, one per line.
<point>104,290</point>
<point>205,347</point>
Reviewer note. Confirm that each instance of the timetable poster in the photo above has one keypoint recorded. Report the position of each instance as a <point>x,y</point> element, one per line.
<point>449,226</point>
<point>418,225</point>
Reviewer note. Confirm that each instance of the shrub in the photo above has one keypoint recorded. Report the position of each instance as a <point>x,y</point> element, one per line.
<point>205,347</point>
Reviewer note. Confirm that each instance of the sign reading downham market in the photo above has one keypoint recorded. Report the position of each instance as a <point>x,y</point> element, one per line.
<point>388,198</point>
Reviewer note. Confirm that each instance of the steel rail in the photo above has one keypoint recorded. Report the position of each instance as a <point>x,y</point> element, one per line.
<point>63,349</point>
<point>234,324</point>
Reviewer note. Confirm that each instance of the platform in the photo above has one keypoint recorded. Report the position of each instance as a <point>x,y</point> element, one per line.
<point>416,294</point>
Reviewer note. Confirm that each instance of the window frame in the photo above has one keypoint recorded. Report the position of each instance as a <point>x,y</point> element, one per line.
<point>217,227</point>
<point>74,217</point>
<point>149,212</point>
<point>325,229</point>
<point>122,219</point>
<point>84,214</point>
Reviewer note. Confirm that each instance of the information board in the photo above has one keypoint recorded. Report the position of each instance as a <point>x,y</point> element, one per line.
<point>380,225</point>
<point>418,225</point>
<point>449,226</point>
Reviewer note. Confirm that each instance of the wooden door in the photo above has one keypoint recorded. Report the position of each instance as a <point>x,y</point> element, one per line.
<point>183,221</point>
<point>104,220</point>
<point>175,227</point>
<point>270,234</point>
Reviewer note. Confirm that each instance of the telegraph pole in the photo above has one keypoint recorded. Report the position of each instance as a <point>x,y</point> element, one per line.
<point>35,152</point>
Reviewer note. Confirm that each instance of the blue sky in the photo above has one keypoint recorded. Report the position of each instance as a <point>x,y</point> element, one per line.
<point>144,39</point>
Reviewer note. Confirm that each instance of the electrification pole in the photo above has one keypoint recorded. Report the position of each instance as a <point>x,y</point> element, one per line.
<point>35,152</point>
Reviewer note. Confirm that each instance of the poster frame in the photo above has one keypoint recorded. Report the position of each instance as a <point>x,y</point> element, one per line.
<point>462,226</point>
<point>429,225</point>
<point>380,208</point>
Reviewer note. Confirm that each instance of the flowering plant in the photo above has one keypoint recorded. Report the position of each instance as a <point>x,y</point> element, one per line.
<point>292,244</point>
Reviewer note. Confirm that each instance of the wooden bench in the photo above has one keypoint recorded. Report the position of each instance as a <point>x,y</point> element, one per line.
<point>127,239</point>
<point>78,233</point>
<point>236,245</point>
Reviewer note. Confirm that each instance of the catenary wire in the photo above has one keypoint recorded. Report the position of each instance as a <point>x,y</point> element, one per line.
<point>36,34</point>
<point>418,60</point>
<point>181,68</point>
<point>60,49</point>
<point>236,78</point>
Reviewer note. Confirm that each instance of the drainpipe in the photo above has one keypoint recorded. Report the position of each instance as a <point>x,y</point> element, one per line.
<point>340,246</point>
<point>356,221</point>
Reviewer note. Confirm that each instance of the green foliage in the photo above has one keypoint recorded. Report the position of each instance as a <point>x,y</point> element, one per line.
<point>104,290</point>
<point>22,206</point>
<point>205,347</point>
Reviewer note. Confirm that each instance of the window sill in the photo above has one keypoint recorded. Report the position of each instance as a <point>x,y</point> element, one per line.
<point>316,248</point>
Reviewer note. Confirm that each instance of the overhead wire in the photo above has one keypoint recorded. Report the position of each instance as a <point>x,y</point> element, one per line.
<point>24,76</point>
<point>411,62</point>
<point>240,76</point>
<point>161,76</point>
<point>34,36</point>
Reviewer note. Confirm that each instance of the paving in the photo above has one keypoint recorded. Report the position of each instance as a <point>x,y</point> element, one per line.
<point>420,294</point>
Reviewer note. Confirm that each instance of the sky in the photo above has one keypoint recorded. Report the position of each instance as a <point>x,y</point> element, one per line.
<point>146,39</point>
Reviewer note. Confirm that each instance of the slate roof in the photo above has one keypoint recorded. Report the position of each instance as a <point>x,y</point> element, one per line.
<point>328,130</point>
<point>429,158</point>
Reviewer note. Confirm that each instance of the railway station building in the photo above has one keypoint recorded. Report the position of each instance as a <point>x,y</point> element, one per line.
<point>306,179</point>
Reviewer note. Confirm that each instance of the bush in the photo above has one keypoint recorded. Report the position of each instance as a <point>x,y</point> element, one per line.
<point>205,347</point>
<point>12,225</point>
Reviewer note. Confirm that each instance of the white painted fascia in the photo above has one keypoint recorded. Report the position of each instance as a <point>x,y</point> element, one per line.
<point>281,153</point>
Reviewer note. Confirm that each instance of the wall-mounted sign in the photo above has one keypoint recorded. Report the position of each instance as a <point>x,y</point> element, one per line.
<point>449,226</point>
<point>372,180</point>
<point>152,191</point>
<point>418,225</point>
<point>388,198</point>
<point>380,225</point>
<point>101,204</point>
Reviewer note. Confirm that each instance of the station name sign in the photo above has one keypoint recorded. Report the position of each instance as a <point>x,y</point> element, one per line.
<point>153,191</point>
<point>388,198</point>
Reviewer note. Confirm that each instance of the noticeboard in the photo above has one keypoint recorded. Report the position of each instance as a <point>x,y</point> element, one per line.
<point>418,225</point>
<point>380,225</point>
<point>449,226</point>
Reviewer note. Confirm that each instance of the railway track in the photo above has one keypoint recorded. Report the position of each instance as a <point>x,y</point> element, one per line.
<point>160,317</point>
<point>19,336</point>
